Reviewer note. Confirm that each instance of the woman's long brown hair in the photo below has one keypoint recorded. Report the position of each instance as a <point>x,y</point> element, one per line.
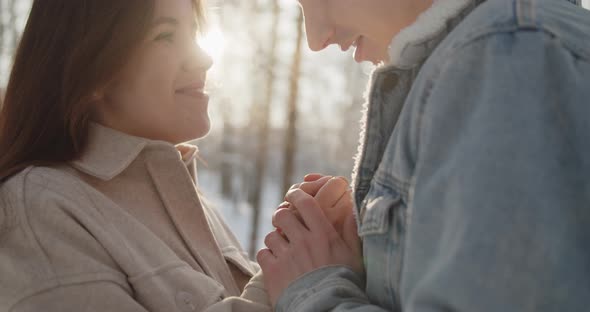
<point>69,52</point>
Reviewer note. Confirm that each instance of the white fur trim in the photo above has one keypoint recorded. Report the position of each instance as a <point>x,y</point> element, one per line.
<point>427,26</point>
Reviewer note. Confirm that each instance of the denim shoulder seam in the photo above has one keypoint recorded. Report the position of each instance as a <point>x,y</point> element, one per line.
<point>527,19</point>
<point>464,44</point>
<point>525,13</point>
<point>448,56</point>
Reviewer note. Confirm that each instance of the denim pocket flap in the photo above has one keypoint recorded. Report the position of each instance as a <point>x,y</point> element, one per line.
<point>376,211</point>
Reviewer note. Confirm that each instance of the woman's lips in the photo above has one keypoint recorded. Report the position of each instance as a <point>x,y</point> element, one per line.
<point>349,44</point>
<point>196,90</point>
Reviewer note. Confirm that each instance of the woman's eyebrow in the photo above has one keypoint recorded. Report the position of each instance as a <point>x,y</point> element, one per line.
<point>165,20</point>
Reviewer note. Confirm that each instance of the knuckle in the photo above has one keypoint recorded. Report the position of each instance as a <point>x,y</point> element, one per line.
<point>291,194</point>
<point>284,205</point>
<point>268,240</point>
<point>307,202</point>
<point>344,180</point>
<point>295,186</point>
<point>282,215</point>
<point>262,256</point>
<point>337,185</point>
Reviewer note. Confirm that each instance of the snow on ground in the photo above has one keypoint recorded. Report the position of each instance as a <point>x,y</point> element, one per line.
<point>238,213</point>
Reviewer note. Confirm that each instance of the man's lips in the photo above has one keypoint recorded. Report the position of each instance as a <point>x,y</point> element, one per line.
<point>352,43</point>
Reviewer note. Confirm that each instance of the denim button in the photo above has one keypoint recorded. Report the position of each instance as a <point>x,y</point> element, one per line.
<point>185,302</point>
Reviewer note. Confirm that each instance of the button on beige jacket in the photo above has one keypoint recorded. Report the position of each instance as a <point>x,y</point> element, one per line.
<point>121,229</point>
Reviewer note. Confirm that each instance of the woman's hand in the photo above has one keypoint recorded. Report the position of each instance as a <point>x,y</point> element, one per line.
<point>306,245</point>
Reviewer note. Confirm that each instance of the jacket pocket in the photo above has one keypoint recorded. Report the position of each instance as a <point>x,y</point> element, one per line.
<point>176,287</point>
<point>382,231</point>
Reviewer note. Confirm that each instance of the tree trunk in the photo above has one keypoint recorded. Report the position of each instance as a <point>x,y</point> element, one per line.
<point>262,131</point>
<point>291,133</point>
<point>2,27</point>
<point>13,25</point>
<point>227,150</point>
<point>3,69</point>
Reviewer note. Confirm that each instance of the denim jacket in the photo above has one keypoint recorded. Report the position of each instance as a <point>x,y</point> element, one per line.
<point>473,181</point>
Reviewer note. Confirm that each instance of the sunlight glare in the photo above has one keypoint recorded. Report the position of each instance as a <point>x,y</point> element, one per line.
<point>213,43</point>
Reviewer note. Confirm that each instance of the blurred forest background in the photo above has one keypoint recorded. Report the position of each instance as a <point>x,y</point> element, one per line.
<point>278,110</point>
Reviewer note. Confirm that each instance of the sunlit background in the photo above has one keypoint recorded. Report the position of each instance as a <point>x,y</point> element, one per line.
<point>266,87</point>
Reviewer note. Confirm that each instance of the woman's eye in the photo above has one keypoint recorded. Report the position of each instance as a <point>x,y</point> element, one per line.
<point>168,36</point>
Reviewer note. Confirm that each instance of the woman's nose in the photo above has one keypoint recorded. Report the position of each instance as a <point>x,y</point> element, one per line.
<point>197,59</point>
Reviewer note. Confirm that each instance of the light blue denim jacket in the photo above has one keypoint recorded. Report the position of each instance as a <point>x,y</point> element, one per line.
<point>473,183</point>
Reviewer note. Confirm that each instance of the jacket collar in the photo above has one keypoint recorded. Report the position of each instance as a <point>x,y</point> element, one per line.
<point>411,46</point>
<point>109,152</point>
<point>415,43</point>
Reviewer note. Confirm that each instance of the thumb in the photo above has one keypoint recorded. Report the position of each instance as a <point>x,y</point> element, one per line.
<point>350,235</point>
<point>351,238</point>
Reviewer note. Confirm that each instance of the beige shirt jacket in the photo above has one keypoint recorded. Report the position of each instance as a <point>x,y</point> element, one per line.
<point>121,229</point>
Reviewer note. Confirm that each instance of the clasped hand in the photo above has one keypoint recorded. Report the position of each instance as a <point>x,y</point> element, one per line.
<point>315,227</point>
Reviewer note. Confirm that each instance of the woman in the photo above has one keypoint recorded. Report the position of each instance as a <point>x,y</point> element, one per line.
<point>98,205</point>
<point>472,182</point>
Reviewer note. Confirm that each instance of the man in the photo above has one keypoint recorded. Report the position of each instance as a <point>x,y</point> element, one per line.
<point>472,188</point>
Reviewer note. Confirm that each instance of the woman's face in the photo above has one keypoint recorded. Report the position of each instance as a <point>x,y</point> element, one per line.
<point>369,25</point>
<point>159,93</point>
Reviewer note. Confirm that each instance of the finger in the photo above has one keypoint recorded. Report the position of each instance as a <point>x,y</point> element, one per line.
<point>291,227</point>
<point>312,188</point>
<point>350,234</point>
<point>277,244</point>
<point>294,211</point>
<point>274,215</point>
<point>284,204</point>
<point>312,177</point>
<point>340,211</point>
<point>265,258</point>
<point>310,211</point>
<point>331,192</point>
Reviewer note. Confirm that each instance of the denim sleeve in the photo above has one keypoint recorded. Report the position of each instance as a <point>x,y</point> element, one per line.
<point>331,288</point>
<point>500,202</point>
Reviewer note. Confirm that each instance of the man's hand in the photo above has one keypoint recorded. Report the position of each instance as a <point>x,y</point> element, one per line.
<point>333,195</point>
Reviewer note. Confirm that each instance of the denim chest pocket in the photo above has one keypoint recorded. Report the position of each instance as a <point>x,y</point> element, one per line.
<point>382,231</point>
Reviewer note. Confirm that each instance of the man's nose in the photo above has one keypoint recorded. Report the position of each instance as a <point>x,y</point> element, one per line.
<point>318,36</point>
